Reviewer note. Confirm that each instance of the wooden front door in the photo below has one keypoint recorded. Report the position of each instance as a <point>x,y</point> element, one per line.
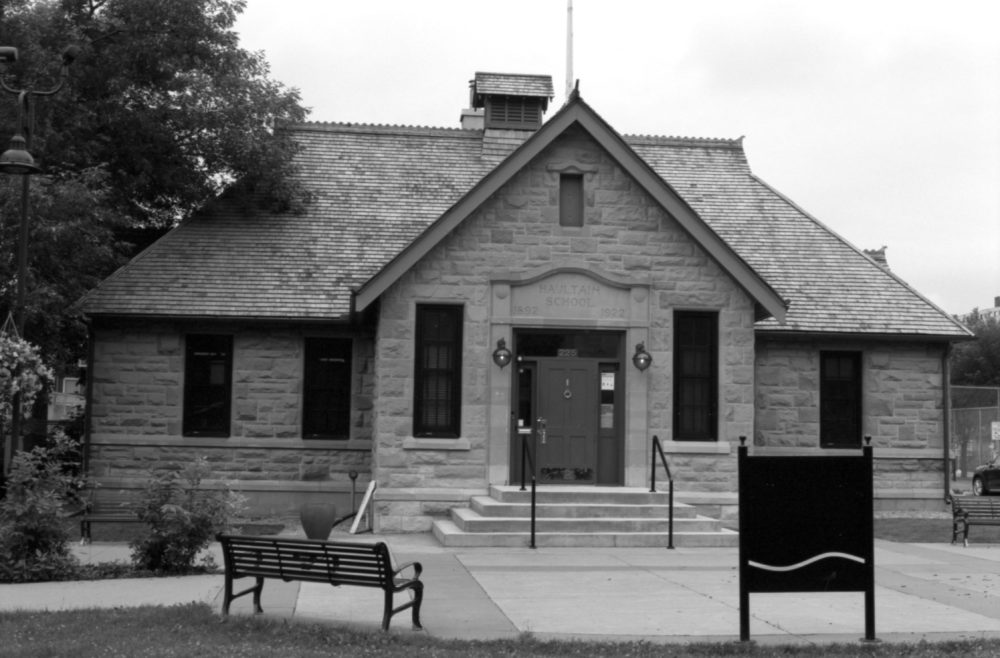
<point>566,436</point>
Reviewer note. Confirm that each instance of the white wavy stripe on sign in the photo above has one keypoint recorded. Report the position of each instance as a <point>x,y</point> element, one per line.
<point>815,558</point>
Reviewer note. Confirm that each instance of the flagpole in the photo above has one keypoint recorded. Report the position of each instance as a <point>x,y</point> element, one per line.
<point>569,48</point>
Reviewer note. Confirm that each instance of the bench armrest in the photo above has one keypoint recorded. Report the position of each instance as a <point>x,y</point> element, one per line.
<point>416,566</point>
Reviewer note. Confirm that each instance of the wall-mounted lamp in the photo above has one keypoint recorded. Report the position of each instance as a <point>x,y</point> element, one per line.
<point>641,359</point>
<point>501,355</point>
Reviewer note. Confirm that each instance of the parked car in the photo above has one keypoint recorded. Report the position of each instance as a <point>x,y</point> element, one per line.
<point>986,478</point>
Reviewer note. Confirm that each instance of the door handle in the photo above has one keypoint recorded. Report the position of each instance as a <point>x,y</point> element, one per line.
<point>541,429</point>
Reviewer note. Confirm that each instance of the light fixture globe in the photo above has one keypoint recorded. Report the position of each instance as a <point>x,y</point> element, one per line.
<point>501,355</point>
<point>16,159</point>
<point>641,359</point>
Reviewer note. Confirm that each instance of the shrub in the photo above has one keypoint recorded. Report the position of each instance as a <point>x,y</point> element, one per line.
<point>22,373</point>
<point>34,539</point>
<point>182,519</point>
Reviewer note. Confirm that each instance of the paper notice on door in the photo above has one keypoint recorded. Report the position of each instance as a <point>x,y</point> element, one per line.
<point>607,381</point>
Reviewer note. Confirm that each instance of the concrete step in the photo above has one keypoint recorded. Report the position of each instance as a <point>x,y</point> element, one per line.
<point>579,516</point>
<point>487,506</point>
<point>555,494</point>
<point>449,534</point>
<point>470,521</point>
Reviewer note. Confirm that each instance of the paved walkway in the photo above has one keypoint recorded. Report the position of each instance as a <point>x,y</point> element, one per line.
<point>924,591</point>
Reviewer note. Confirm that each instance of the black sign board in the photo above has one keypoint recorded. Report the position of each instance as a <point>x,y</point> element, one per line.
<point>806,526</point>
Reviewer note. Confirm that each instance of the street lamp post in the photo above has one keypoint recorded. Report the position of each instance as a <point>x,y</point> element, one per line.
<point>17,160</point>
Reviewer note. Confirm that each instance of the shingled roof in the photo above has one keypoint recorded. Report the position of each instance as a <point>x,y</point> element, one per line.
<point>507,84</point>
<point>377,189</point>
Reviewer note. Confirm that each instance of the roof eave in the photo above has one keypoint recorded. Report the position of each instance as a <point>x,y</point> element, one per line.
<point>908,336</point>
<point>204,317</point>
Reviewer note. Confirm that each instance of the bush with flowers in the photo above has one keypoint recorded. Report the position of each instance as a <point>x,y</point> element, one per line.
<point>23,372</point>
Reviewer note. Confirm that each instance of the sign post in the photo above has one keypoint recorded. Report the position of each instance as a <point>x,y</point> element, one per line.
<point>806,525</point>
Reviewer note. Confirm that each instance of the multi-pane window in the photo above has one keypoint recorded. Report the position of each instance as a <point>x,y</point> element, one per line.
<point>840,400</point>
<point>571,200</point>
<point>437,391</point>
<point>208,376</point>
<point>696,347</point>
<point>326,402</point>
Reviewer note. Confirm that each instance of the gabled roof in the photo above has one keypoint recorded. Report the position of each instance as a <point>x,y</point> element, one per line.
<point>383,194</point>
<point>577,112</point>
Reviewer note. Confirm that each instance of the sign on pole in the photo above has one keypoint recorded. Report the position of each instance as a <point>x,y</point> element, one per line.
<point>806,525</point>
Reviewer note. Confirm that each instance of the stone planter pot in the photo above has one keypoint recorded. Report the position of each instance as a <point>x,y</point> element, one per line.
<point>317,519</point>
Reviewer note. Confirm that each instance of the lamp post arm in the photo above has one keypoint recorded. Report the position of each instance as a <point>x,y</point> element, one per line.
<point>69,55</point>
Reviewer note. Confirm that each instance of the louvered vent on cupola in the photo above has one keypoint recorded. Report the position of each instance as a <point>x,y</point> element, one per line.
<point>512,102</point>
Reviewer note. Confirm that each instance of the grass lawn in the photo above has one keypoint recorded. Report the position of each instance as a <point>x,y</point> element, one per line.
<point>195,630</point>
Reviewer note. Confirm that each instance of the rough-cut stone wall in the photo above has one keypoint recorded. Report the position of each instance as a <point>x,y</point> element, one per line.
<point>625,233</point>
<point>137,411</point>
<point>901,388</point>
<point>902,406</point>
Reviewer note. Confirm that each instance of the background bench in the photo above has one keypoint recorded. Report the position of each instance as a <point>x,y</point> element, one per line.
<point>106,506</point>
<point>972,510</point>
<point>318,561</point>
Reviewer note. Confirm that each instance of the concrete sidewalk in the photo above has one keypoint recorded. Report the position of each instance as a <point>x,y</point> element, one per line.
<point>924,592</point>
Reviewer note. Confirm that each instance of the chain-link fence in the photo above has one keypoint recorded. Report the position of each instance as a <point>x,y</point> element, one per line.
<point>973,410</point>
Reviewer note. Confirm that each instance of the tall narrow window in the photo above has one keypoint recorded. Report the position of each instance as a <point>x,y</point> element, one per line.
<point>208,375</point>
<point>696,385</point>
<point>326,403</point>
<point>437,391</point>
<point>840,400</point>
<point>571,200</point>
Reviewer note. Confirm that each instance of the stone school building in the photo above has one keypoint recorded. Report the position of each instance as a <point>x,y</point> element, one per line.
<point>448,294</point>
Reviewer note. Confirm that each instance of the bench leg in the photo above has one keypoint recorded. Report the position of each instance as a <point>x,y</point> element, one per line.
<point>228,596</point>
<point>227,593</point>
<point>387,610</point>
<point>965,536</point>
<point>85,532</point>
<point>418,597</point>
<point>256,595</point>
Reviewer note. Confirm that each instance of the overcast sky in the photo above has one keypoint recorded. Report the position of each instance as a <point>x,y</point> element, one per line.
<point>881,118</point>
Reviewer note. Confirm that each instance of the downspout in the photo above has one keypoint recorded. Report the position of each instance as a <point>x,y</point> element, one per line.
<point>946,374</point>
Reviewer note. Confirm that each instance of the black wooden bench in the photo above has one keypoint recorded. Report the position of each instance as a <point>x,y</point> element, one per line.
<point>106,506</point>
<point>318,561</point>
<point>972,510</point>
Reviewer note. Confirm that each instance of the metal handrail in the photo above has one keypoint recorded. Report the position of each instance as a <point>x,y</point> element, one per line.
<point>527,458</point>
<point>657,448</point>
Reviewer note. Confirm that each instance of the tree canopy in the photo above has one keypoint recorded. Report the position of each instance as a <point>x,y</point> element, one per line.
<point>161,112</point>
<point>977,363</point>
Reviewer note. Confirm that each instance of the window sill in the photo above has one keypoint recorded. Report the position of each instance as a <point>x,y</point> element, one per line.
<point>697,447</point>
<point>412,443</point>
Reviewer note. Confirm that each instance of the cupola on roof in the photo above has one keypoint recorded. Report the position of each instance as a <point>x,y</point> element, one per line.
<point>511,84</point>
<point>512,101</point>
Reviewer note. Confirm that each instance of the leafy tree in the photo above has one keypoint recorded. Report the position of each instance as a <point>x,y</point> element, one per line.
<point>977,363</point>
<point>162,112</point>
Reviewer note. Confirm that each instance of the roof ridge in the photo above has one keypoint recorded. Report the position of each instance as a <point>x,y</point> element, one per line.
<point>350,126</point>
<point>680,140</point>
